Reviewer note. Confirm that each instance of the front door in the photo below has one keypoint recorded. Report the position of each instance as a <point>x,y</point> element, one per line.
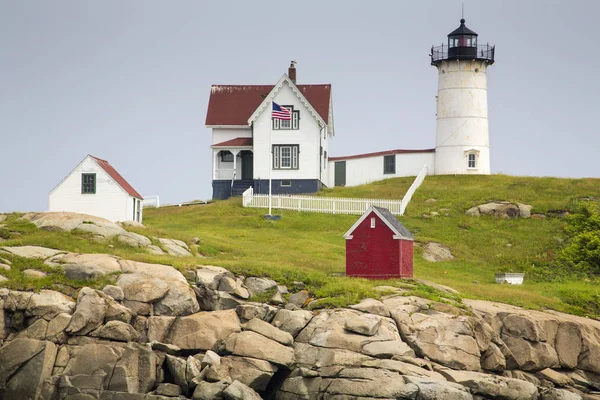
<point>247,165</point>
<point>340,173</point>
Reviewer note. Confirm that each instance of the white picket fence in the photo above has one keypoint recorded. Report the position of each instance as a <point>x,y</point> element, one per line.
<point>330,205</point>
<point>151,202</point>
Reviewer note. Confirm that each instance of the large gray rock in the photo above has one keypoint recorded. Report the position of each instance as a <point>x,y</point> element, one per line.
<point>531,356</point>
<point>203,330</point>
<point>30,251</point>
<point>48,304</point>
<point>89,314</point>
<point>372,306</point>
<point>67,221</point>
<point>210,276</point>
<point>116,330</point>
<point>292,321</point>
<point>251,344</point>
<point>370,382</point>
<point>437,390</point>
<point>28,381</point>
<point>443,338</point>
<point>180,299</point>
<point>259,285</point>
<point>388,349</point>
<point>328,330</point>
<point>87,266</point>
<point>253,373</point>
<point>502,209</point>
<point>269,331</point>
<point>210,391</point>
<point>239,391</point>
<point>435,252</point>
<point>114,291</point>
<point>135,372</point>
<point>16,353</point>
<point>251,310</point>
<point>175,247</point>
<point>492,386</point>
<point>367,324</point>
<point>143,288</point>
<point>160,271</point>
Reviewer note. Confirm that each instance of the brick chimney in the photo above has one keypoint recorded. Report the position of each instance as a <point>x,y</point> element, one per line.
<point>292,71</point>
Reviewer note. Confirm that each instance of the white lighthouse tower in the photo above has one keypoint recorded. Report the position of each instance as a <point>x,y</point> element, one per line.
<point>462,137</point>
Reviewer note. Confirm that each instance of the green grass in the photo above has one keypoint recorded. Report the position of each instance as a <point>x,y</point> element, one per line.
<point>310,247</point>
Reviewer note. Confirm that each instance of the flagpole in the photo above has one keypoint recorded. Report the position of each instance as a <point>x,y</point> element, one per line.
<point>271,153</point>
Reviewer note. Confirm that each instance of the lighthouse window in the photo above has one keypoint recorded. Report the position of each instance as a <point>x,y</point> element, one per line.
<point>471,160</point>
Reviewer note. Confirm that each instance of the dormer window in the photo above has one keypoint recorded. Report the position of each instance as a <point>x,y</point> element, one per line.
<point>294,123</point>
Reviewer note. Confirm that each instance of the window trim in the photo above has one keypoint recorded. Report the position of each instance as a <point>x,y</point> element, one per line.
<point>83,183</point>
<point>294,156</point>
<point>288,183</point>
<point>294,122</point>
<point>388,157</point>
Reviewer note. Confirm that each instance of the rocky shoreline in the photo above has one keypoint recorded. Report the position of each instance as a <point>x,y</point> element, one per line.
<point>157,334</point>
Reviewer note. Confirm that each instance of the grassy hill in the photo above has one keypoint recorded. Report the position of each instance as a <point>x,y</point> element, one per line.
<point>310,247</point>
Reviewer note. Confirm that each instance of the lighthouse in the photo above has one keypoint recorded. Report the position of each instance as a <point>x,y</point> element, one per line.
<point>462,136</point>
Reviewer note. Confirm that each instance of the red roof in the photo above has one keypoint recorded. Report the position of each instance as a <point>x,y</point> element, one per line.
<point>381,153</point>
<point>105,165</point>
<point>234,104</point>
<point>237,142</point>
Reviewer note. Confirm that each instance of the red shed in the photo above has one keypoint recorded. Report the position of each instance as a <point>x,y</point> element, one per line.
<point>379,246</point>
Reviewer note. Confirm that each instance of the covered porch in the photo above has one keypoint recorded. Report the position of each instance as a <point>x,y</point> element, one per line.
<point>233,160</point>
<point>233,167</point>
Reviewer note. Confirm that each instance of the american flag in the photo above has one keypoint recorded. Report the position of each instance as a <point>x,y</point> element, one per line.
<point>280,112</point>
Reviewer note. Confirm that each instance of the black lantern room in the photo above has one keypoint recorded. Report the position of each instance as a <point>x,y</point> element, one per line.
<point>462,45</point>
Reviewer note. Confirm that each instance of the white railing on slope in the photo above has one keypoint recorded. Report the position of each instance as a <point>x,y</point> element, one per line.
<point>413,188</point>
<point>151,202</point>
<point>330,205</point>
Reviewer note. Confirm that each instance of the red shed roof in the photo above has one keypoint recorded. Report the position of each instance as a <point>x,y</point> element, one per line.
<point>388,218</point>
<point>105,165</point>
<point>234,104</point>
<point>381,153</point>
<point>237,142</point>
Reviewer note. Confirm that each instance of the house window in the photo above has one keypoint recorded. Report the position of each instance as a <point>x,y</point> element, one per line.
<point>286,183</point>
<point>471,161</point>
<point>294,123</point>
<point>389,164</point>
<point>226,156</point>
<point>372,222</point>
<point>325,160</point>
<point>285,156</point>
<point>88,183</point>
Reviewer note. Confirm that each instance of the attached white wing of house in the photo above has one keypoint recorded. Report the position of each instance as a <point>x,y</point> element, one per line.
<point>248,146</point>
<point>94,187</point>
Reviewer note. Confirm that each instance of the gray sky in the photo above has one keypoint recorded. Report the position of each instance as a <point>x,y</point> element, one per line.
<point>128,81</point>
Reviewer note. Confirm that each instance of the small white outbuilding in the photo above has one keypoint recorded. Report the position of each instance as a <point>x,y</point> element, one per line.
<point>94,187</point>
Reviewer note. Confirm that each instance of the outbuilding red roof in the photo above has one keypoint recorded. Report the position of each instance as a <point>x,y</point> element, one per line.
<point>237,142</point>
<point>234,104</point>
<point>381,153</point>
<point>105,165</point>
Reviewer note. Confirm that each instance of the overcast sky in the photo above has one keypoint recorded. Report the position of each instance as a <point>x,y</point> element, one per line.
<point>129,81</point>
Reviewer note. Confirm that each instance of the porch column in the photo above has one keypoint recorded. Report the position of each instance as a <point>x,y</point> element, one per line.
<point>235,153</point>
<point>215,160</point>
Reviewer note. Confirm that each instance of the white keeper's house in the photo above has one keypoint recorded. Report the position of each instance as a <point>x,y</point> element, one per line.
<point>94,187</point>
<point>244,137</point>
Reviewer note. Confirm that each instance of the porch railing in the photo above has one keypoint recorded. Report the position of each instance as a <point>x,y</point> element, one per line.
<point>224,174</point>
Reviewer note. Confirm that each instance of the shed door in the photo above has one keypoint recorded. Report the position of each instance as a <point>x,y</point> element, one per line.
<point>340,173</point>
